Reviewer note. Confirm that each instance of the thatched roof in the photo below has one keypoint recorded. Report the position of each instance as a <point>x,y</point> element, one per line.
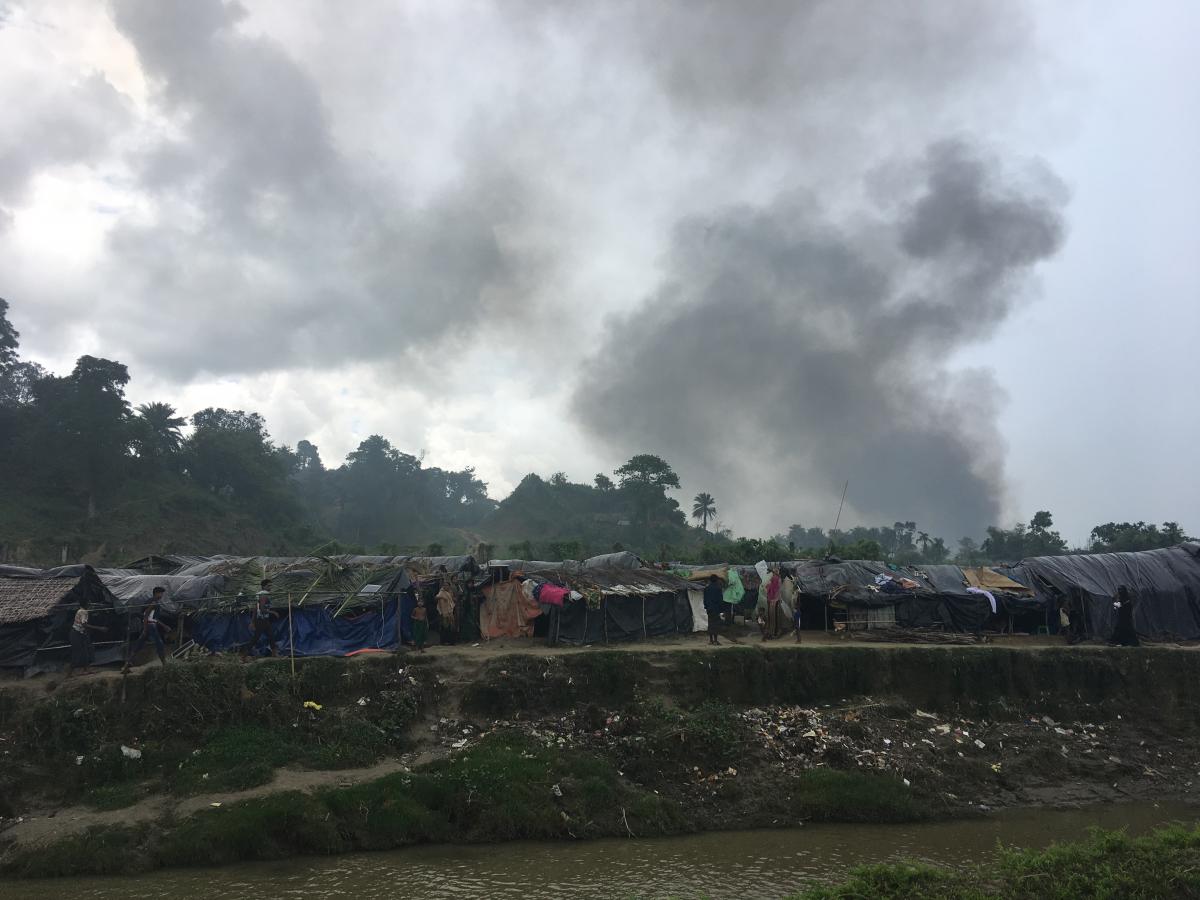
<point>27,599</point>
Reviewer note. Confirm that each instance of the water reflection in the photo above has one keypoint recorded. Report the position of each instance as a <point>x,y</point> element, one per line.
<point>745,864</point>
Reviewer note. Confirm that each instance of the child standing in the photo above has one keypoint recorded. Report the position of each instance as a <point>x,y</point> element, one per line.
<point>420,620</point>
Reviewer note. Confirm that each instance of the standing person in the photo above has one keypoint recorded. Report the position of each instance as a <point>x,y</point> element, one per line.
<point>714,605</point>
<point>446,602</point>
<point>420,620</point>
<point>152,630</point>
<point>1124,633</point>
<point>262,616</point>
<point>82,652</point>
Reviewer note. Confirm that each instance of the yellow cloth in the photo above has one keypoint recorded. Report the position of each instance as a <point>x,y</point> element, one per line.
<point>991,580</point>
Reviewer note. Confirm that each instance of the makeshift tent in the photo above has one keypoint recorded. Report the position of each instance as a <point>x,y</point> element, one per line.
<point>1165,584</point>
<point>506,611</point>
<point>619,605</point>
<point>312,631</point>
<point>36,613</point>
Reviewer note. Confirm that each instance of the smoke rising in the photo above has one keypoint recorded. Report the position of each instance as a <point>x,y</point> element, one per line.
<point>786,350</point>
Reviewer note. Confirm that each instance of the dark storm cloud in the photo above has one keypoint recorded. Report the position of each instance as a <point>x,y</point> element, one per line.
<point>786,351</point>
<point>269,242</point>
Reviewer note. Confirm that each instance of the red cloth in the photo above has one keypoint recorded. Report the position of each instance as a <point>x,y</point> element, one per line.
<point>553,594</point>
<point>773,588</point>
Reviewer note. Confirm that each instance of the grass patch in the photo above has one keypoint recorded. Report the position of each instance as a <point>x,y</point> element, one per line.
<point>97,851</point>
<point>115,796</point>
<point>710,735</point>
<point>1107,864</point>
<point>235,759</point>
<point>507,786</point>
<point>827,795</point>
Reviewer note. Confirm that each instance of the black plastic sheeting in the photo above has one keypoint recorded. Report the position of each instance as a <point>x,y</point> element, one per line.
<point>621,618</point>
<point>1165,585</point>
<point>44,644</point>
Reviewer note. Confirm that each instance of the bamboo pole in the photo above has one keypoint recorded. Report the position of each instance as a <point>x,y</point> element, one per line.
<point>291,637</point>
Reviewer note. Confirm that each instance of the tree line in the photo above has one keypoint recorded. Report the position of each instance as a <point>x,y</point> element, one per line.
<point>76,440</point>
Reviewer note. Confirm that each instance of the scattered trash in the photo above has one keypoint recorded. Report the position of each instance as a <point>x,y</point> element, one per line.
<point>363,701</point>
<point>130,752</point>
<point>79,760</point>
<point>215,804</point>
<point>312,704</point>
<point>980,744</point>
<point>556,790</point>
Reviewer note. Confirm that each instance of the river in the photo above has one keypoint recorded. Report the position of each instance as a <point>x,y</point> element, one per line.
<point>741,864</point>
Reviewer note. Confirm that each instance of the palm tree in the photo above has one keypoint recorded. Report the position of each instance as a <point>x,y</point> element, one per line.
<point>704,507</point>
<point>923,540</point>
<point>160,428</point>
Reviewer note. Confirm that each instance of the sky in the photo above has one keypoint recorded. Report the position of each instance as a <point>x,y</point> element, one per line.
<point>946,251</point>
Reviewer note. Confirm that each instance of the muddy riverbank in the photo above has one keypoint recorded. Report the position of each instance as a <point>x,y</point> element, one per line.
<point>215,761</point>
<point>751,865</point>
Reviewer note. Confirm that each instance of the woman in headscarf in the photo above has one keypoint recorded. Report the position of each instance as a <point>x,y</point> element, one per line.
<point>773,615</point>
<point>1124,634</point>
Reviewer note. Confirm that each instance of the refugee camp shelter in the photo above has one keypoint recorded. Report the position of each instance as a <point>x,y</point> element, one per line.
<point>36,612</point>
<point>1165,585</point>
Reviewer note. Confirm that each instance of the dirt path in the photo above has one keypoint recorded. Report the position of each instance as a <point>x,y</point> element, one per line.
<point>45,825</point>
<point>477,653</point>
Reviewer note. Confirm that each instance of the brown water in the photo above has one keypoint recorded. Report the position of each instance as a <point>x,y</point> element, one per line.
<point>741,864</point>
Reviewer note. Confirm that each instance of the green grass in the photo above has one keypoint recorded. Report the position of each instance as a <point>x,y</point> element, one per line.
<point>500,789</point>
<point>1107,864</point>
<point>827,795</point>
<point>114,796</point>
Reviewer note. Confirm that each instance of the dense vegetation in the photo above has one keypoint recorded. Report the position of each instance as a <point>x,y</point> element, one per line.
<point>81,469</point>
<point>1107,864</point>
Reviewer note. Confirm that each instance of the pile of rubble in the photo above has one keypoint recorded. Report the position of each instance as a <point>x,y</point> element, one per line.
<point>947,755</point>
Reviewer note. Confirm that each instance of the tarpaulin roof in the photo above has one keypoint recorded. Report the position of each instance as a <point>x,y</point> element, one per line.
<point>622,560</point>
<point>1165,584</point>
<point>626,582</point>
<point>134,591</point>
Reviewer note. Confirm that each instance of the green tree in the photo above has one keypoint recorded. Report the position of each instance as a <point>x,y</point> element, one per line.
<point>1040,540</point>
<point>157,429</point>
<point>603,483</point>
<point>1118,536</point>
<point>8,338</point>
<point>648,469</point>
<point>85,427</point>
<point>559,479</point>
<point>230,453</point>
<point>435,549</point>
<point>704,507</point>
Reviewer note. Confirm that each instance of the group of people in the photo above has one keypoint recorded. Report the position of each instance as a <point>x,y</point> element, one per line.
<point>151,629</point>
<point>777,612</point>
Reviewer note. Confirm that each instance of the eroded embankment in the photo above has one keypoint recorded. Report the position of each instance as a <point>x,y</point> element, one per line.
<point>578,745</point>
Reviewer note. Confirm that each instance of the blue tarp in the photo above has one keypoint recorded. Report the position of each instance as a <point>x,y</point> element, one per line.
<point>317,632</point>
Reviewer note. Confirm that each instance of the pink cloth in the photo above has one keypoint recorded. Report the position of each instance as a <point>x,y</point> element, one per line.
<point>773,588</point>
<point>553,594</point>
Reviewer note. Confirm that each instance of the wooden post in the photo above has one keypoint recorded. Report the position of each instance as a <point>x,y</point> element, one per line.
<point>291,637</point>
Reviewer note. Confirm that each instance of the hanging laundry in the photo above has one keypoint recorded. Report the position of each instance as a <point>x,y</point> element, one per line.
<point>988,594</point>
<point>734,591</point>
<point>553,594</point>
